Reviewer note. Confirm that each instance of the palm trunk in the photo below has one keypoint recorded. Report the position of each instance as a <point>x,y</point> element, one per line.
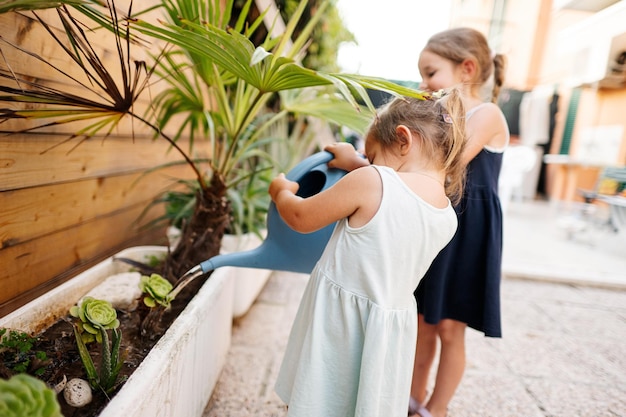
<point>202,236</point>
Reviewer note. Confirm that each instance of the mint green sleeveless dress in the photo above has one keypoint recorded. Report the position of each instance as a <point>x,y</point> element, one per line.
<point>353,338</point>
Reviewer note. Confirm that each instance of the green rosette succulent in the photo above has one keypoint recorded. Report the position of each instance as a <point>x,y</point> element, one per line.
<point>25,395</point>
<point>95,315</point>
<point>157,290</point>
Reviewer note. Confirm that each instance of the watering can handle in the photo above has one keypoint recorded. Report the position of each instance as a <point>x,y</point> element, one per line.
<point>297,172</point>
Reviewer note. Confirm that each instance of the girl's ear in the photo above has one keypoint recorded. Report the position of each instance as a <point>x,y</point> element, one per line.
<point>468,70</point>
<point>405,139</point>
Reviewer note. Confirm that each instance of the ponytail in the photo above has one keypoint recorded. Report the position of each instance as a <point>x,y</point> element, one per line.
<point>499,68</point>
<point>453,164</point>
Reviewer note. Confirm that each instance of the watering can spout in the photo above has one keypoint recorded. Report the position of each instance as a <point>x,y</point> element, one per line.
<point>247,259</point>
<point>283,249</point>
<point>267,256</point>
<point>182,282</point>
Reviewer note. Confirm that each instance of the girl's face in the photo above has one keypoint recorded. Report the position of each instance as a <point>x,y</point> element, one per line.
<point>437,72</point>
<point>372,148</point>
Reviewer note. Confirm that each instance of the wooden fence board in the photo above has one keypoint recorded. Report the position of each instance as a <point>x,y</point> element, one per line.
<point>28,161</point>
<point>31,264</point>
<point>64,208</point>
<point>30,213</point>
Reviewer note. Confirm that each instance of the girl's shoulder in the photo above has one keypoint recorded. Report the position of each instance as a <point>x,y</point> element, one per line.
<point>484,109</point>
<point>486,112</point>
<point>365,180</point>
<point>487,124</point>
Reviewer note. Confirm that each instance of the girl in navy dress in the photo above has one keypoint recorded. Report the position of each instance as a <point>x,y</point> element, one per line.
<point>462,286</point>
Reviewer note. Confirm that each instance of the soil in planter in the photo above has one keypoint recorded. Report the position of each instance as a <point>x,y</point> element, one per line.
<point>63,359</point>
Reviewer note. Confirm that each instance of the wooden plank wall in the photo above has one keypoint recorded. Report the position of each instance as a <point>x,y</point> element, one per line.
<point>63,208</point>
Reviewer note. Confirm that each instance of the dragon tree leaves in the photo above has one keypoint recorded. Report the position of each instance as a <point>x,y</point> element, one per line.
<point>103,101</point>
<point>24,5</point>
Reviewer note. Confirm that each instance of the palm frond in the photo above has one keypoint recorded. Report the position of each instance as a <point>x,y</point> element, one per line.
<point>25,5</point>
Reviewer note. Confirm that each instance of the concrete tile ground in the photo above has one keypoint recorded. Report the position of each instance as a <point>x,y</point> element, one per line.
<point>563,353</point>
<point>246,386</point>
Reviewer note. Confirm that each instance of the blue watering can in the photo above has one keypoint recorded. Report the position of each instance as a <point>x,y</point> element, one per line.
<point>283,249</point>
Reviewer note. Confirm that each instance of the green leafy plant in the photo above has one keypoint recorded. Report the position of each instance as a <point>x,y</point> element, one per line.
<point>95,319</point>
<point>23,395</point>
<point>16,350</point>
<point>156,289</point>
<point>249,202</point>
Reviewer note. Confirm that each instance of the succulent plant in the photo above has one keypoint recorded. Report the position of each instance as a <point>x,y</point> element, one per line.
<point>95,318</point>
<point>157,289</point>
<point>95,315</point>
<point>25,395</point>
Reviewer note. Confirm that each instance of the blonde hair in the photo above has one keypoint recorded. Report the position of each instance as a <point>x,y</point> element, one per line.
<point>440,122</point>
<point>459,44</point>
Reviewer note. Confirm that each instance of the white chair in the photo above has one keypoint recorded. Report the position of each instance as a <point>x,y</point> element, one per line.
<point>517,161</point>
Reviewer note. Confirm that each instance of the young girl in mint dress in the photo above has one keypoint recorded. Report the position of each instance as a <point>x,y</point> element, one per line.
<point>356,324</point>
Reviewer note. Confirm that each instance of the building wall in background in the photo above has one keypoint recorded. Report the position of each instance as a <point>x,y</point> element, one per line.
<point>542,40</point>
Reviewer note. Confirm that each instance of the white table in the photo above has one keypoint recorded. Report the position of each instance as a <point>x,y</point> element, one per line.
<point>617,206</point>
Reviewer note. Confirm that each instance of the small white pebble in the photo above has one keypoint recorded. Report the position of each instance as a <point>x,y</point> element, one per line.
<point>77,392</point>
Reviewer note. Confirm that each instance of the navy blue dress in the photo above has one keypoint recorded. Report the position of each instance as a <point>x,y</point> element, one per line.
<point>463,282</point>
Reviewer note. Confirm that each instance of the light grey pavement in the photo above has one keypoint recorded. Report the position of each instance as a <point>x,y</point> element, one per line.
<point>563,353</point>
<point>537,245</point>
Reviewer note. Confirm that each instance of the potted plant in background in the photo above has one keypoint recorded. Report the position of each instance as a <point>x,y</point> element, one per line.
<point>219,83</point>
<point>219,86</point>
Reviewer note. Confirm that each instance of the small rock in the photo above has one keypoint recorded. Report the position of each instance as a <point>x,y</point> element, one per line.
<point>173,236</point>
<point>121,290</point>
<point>61,385</point>
<point>77,392</point>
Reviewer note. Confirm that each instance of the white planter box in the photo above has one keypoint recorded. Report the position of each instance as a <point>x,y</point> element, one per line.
<point>177,377</point>
<point>249,282</point>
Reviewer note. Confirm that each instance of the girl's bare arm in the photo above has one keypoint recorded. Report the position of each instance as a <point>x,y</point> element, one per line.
<point>345,198</point>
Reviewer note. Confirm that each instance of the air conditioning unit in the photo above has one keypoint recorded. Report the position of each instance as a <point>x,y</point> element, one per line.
<point>602,63</point>
<point>597,45</point>
<point>584,5</point>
